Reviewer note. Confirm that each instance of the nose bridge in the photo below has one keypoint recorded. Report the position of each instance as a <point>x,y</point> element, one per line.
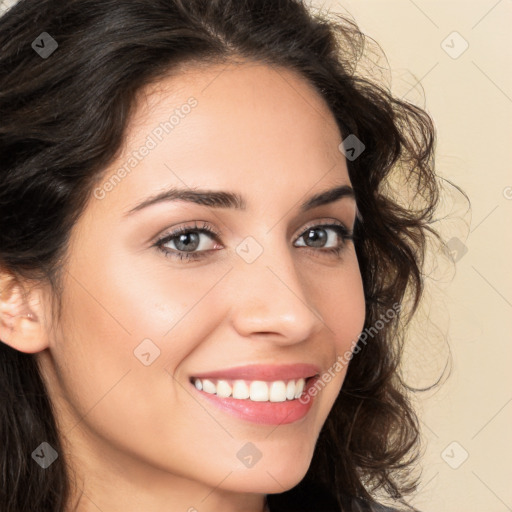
<point>271,298</point>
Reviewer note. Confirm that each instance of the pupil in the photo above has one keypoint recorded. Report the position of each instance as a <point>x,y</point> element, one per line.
<point>317,238</point>
<point>182,240</point>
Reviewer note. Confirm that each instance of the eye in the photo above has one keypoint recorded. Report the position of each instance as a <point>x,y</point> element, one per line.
<point>188,245</point>
<point>186,239</point>
<point>316,237</point>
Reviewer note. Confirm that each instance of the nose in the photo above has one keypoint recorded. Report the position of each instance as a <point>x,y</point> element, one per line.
<point>272,301</point>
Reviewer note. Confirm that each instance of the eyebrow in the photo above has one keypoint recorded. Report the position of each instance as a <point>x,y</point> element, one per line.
<point>225,199</point>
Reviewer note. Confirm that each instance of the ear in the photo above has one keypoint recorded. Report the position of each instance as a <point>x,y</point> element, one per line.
<point>22,324</point>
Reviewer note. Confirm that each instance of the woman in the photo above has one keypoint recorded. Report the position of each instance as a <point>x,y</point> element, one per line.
<point>205,276</point>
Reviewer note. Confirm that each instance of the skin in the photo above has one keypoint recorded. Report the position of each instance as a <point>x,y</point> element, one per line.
<point>135,436</point>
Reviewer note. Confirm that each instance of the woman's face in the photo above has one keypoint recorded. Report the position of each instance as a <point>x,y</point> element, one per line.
<point>139,323</point>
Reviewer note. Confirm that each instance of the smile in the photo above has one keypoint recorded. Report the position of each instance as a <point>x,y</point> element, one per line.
<point>272,401</point>
<point>256,390</point>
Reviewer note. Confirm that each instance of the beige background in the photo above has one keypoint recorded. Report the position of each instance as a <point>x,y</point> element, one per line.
<point>469,95</point>
<point>470,99</point>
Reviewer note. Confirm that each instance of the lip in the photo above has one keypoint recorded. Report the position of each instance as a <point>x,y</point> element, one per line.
<point>265,372</point>
<point>263,413</point>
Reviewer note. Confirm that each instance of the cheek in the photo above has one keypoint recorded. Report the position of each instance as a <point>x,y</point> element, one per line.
<point>115,362</point>
<point>339,297</point>
<point>123,333</point>
<point>128,299</point>
<point>340,300</point>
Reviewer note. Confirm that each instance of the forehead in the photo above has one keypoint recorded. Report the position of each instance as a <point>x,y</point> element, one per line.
<point>241,125</point>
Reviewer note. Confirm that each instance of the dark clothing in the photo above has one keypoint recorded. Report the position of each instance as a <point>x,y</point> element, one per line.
<point>357,505</point>
<point>319,499</point>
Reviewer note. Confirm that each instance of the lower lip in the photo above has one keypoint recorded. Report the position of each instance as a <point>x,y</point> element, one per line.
<point>264,413</point>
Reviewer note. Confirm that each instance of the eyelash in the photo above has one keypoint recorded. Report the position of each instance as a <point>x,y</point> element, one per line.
<point>344,233</point>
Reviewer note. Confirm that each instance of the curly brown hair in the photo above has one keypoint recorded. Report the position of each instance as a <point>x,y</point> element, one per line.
<point>63,120</point>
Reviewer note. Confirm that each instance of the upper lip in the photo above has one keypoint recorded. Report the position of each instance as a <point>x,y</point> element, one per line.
<point>265,372</point>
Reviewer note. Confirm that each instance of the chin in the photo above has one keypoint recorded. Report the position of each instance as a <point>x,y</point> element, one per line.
<point>271,478</point>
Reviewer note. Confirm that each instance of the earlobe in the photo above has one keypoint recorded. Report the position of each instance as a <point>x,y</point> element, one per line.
<point>21,314</point>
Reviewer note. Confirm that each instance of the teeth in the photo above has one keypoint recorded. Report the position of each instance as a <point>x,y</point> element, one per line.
<point>240,390</point>
<point>278,391</point>
<point>256,390</point>
<point>290,390</point>
<point>209,386</point>
<point>223,389</point>
<point>300,388</point>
